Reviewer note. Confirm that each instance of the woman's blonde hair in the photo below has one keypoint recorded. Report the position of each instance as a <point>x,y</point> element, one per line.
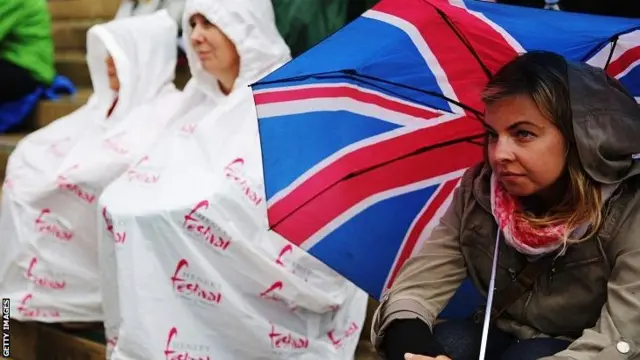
<point>542,76</point>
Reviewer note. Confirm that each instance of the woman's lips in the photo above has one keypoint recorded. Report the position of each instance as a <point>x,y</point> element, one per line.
<point>509,176</point>
<point>203,54</point>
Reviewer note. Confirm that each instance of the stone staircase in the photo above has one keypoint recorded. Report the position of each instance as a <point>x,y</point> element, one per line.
<point>71,20</point>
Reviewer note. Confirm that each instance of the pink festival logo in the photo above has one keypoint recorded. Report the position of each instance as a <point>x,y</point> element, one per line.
<point>134,174</point>
<point>25,310</point>
<point>56,147</point>
<point>272,293</point>
<point>234,172</point>
<point>116,143</point>
<point>285,250</point>
<point>295,268</point>
<point>44,226</point>
<point>338,339</point>
<point>197,224</point>
<point>41,280</point>
<point>283,340</point>
<point>119,237</point>
<point>182,351</point>
<point>191,286</point>
<point>83,194</point>
<point>112,342</point>
<point>8,183</point>
<point>188,128</point>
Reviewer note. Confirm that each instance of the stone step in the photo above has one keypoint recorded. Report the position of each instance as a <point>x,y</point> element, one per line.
<point>72,34</point>
<point>51,110</point>
<point>73,65</point>
<point>8,142</point>
<point>83,9</point>
<point>39,341</point>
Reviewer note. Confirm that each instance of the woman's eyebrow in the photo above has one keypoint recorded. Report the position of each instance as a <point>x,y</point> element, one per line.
<point>523,122</point>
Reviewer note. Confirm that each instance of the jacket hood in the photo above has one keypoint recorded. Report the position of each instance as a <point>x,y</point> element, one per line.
<point>251,26</point>
<point>144,52</point>
<point>605,123</point>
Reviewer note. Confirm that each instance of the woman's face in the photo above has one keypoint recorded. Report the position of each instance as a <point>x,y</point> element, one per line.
<point>526,151</point>
<point>215,50</point>
<point>114,83</point>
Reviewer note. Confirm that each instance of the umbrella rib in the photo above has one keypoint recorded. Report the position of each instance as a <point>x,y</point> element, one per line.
<point>432,93</point>
<point>464,40</point>
<point>469,139</point>
<point>419,151</point>
<point>355,75</point>
<point>613,48</point>
<point>600,45</point>
<point>295,78</point>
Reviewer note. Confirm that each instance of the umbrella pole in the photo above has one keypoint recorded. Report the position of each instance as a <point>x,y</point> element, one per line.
<point>487,310</point>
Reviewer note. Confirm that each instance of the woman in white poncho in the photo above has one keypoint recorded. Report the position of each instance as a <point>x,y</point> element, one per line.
<point>49,215</point>
<point>198,275</point>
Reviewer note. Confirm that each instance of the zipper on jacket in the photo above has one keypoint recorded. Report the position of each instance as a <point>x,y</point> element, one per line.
<point>546,288</point>
<point>512,273</point>
<point>552,272</point>
<point>526,303</point>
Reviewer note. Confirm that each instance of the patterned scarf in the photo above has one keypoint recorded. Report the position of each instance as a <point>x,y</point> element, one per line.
<point>518,233</point>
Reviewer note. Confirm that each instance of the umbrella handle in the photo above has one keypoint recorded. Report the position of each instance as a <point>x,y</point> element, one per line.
<point>490,292</point>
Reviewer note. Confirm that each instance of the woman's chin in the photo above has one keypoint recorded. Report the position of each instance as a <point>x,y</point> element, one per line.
<point>518,188</point>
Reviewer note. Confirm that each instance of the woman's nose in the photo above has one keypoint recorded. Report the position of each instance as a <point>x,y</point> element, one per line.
<point>196,34</point>
<point>503,151</point>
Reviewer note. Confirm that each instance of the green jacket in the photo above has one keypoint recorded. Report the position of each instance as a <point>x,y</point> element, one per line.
<point>304,23</point>
<point>25,37</point>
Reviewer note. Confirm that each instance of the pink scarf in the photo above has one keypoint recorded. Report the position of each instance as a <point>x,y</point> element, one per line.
<point>518,233</point>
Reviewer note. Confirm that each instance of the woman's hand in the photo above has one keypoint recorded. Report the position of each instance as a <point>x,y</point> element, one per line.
<point>408,356</point>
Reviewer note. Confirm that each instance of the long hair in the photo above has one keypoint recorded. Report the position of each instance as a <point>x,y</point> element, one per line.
<point>542,76</point>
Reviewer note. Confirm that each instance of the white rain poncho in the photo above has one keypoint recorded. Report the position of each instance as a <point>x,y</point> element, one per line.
<point>198,274</point>
<point>49,216</point>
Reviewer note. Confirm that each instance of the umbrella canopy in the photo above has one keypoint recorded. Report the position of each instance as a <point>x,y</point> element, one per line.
<point>366,135</point>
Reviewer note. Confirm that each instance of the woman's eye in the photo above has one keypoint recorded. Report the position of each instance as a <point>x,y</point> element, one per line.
<point>524,134</point>
<point>206,23</point>
<point>491,136</point>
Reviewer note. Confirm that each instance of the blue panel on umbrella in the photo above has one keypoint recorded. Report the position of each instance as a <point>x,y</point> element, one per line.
<point>549,29</point>
<point>378,233</point>
<point>391,44</point>
<point>464,303</point>
<point>297,136</point>
<point>631,81</point>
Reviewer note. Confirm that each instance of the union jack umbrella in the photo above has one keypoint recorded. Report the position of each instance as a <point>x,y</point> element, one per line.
<point>366,135</point>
